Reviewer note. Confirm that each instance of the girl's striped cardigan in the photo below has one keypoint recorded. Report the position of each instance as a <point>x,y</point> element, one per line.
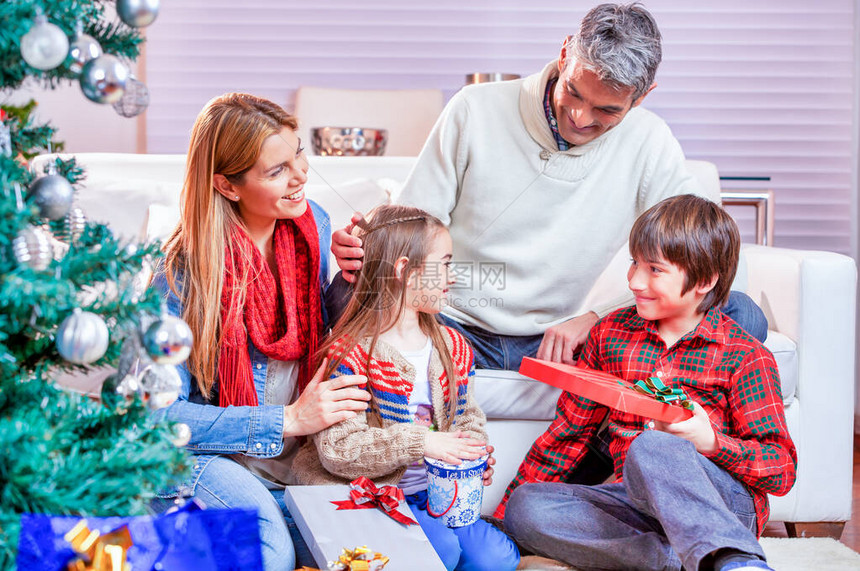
<point>383,440</point>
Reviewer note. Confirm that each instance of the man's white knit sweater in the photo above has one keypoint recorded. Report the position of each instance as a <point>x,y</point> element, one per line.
<point>553,220</point>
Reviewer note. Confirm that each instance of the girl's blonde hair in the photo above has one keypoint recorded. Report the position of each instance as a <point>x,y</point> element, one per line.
<point>226,139</point>
<point>379,295</point>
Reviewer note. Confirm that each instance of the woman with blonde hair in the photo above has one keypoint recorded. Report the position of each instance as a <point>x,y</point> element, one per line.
<point>245,268</point>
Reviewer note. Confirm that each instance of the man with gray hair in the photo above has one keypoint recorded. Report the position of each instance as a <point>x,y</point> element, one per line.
<point>539,181</point>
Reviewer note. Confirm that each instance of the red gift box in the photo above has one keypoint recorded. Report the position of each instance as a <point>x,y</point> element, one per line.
<point>602,388</point>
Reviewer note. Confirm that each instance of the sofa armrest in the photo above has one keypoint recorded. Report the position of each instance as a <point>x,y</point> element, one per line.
<point>810,297</point>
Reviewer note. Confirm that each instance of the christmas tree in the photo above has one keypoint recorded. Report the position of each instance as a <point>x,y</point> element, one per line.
<point>69,300</point>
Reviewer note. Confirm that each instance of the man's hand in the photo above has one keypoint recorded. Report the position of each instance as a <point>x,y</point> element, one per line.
<point>561,341</point>
<point>452,447</point>
<point>324,403</point>
<point>346,248</point>
<point>697,430</point>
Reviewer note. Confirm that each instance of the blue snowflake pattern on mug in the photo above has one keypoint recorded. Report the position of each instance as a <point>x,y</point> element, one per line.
<point>467,516</point>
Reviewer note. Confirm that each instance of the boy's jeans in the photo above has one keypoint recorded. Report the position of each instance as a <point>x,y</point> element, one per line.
<point>673,508</point>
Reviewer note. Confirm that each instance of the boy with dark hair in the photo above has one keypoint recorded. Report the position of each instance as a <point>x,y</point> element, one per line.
<point>691,493</point>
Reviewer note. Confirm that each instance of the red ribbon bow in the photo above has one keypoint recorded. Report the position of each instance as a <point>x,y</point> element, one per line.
<point>365,495</point>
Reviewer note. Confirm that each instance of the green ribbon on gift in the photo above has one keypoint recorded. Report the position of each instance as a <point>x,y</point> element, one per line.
<point>654,387</point>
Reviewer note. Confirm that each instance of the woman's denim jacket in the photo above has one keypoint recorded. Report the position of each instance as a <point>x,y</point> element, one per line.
<point>253,430</point>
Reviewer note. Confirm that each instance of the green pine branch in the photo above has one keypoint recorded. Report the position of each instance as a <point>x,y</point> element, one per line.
<point>67,453</point>
<point>17,16</point>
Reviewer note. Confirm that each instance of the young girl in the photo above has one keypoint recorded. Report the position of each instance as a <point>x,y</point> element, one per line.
<point>418,375</point>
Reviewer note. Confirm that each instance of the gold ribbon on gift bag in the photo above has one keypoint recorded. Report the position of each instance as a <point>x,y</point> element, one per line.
<point>97,551</point>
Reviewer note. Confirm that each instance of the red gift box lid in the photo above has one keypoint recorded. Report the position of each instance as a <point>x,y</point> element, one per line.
<point>602,388</point>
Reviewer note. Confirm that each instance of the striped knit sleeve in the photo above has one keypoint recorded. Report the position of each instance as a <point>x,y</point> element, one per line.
<point>352,448</point>
<point>470,418</point>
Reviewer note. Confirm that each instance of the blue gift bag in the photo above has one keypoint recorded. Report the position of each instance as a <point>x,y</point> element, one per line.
<point>187,539</point>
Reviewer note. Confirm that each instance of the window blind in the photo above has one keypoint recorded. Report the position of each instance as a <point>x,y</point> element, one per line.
<point>762,89</point>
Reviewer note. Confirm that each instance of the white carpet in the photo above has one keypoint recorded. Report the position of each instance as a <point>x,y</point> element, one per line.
<point>801,554</point>
<point>809,554</point>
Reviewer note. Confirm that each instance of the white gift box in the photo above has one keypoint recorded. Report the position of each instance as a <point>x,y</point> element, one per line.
<point>328,530</point>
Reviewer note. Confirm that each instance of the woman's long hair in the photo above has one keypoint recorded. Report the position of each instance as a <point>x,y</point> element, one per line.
<point>226,139</point>
<point>379,295</point>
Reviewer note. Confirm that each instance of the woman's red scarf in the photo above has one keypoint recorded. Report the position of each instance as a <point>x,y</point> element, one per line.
<point>283,317</point>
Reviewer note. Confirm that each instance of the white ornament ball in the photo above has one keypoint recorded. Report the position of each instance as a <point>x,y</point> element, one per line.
<point>32,246</point>
<point>181,435</point>
<point>53,195</point>
<point>83,49</point>
<point>168,340</point>
<point>82,337</point>
<point>137,13</point>
<point>135,100</point>
<point>45,45</point>
<point>160,385</point>
<point>103,79</point>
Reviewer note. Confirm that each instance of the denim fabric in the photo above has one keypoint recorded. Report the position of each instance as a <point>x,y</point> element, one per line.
<point>674,507</point>
<point>476,547</point>
<point>743,310</point>
<point>494,351</point>
<point>251,430</point>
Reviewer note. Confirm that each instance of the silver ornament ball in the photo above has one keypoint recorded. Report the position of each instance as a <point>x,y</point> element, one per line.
<point>53,195</point>
<point>168,340</point>
<point>137,13</point>
<point>45,45</point>
<point>181,435</point>
<point>103,79</point>
<point>32,246</point>
<point>74,225</point>
<point>135,100</point>
<point>82,337</point>
<point>83,49</point>
<point>160,385</point>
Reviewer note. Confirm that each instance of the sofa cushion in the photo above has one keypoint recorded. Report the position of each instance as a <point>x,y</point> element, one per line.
<point>785,353</point>
<point>508,394</point>
<point>340,200</point>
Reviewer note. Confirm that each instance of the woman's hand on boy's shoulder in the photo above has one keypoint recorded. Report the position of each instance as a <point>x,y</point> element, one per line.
<point>696,429</point>
<point>324,403</point>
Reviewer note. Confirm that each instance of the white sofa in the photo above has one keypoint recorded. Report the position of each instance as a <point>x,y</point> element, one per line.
<point>808,297</point>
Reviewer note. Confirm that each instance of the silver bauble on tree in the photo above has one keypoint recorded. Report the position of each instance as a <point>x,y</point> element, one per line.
<point>103,79</point>
<point>181,434</point>
<point>160,385</point>
<point>45,45</point>
<point>137,13</point>
<point>73,226</point>
<point>168,340</point>
<point>82,337</point>
<point>83,49</point>
<point>135,100</point>
<point>32,247</point>
<point>52,193</point>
